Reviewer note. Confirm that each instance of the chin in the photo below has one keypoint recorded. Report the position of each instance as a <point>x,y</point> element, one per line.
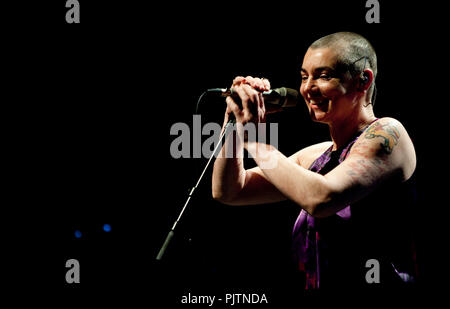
<point>321,117</point>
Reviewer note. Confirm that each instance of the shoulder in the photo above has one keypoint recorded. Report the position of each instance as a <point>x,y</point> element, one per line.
<point>387,140</point>
<point>308,155</point>
<point>388,133</point>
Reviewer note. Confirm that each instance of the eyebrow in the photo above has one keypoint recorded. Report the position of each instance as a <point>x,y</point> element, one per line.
<point>319,69</point>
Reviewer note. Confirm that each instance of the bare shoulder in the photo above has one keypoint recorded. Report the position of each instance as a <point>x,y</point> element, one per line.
<point>390,132</point>
<point>308,155</point>
<point>388,140</point>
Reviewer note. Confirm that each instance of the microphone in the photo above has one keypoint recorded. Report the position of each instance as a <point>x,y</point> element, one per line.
<point>279,98</point>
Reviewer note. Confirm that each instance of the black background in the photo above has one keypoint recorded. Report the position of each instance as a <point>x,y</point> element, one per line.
<point>92,107</point>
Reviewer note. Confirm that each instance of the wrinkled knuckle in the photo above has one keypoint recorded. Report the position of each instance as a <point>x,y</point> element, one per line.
<point>237,81</point>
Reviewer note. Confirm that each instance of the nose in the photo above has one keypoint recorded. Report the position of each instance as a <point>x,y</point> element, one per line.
<point>308,86</point>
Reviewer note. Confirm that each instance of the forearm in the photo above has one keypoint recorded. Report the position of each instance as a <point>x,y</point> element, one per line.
<point>306,188</point>
<point>229,172</point>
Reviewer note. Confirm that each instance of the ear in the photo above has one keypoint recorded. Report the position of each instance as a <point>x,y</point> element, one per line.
<point>366,80</point>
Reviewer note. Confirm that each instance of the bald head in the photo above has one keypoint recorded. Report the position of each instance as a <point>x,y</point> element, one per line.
<point>354,52</point>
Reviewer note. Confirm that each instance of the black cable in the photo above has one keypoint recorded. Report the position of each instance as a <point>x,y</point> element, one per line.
<point>199,101</point>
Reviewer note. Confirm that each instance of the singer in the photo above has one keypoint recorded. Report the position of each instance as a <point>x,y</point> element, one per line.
<point>354,192</point>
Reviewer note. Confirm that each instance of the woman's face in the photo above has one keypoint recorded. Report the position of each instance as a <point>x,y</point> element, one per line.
<point>328,94</point>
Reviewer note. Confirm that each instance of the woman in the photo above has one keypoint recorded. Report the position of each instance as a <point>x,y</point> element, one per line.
<point>346,187</point>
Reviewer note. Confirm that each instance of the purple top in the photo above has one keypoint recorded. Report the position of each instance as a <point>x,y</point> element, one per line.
<point>305,236</point>
<point>332,246</point>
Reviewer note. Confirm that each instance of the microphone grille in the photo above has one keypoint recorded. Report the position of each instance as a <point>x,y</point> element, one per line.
<point>292,97</point>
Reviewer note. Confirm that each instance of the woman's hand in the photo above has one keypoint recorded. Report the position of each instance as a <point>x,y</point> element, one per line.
<point>249,90</point>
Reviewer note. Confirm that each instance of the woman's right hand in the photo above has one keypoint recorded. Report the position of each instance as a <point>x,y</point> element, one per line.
<point>250,91</point>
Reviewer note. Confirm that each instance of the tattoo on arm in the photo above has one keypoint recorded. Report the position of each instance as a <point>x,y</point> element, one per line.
<point>389,133</point>
<point>389,136</point>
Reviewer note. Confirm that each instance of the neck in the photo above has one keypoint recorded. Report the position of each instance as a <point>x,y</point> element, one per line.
<point>342,130</point>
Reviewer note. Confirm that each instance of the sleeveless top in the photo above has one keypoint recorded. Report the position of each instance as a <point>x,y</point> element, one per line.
<point>333,252</point>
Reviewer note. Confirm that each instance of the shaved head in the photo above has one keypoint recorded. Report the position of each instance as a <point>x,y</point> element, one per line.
<point>354,52</point>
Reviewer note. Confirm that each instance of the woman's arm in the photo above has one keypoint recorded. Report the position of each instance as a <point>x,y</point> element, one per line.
<point>383,152</point>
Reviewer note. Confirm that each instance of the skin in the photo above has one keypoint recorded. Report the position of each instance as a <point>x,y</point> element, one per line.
<point>384,152</point>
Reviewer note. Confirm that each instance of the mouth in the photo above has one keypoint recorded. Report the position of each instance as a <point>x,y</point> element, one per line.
<point>318,103</point>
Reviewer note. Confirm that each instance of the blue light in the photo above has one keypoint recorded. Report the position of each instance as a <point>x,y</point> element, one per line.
<point>78,234</point>
<point>107,228</point>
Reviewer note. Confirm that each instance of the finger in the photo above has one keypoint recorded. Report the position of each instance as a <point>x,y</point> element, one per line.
<point>266,84</point>
<point>233,107</point>
<point>247,100</point>
<point>256,83</point>
<point>261,84</point>
<point>262,108</point>
<point>251,81</point>
<point>238,80</point>
<point>261,112</point>
<point>254,102</point>
<point>228,110</point>
<point>261,102</point>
